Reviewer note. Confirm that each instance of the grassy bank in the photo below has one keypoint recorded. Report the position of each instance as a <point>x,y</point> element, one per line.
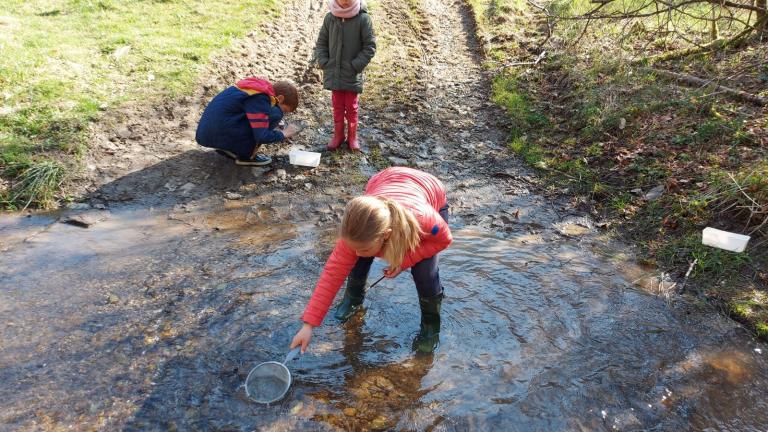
<point>656,160</point>
<point>66,63</point>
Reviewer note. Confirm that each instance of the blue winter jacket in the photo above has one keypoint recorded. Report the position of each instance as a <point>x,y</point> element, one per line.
<point>241,118</point>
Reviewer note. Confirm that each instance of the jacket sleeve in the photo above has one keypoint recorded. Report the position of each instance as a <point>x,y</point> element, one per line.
<point>369,44</point>
<point>437,236</point>
<point>321,46</point>
<point>336,269</point>
<point>257,110</point>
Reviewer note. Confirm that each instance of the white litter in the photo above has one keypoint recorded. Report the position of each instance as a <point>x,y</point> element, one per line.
<point>304,158</point>
<point>724,240</point>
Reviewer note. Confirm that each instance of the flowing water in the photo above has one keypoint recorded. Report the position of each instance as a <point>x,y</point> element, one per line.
<point>145,322</point>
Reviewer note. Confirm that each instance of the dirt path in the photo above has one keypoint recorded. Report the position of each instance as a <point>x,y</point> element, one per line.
<point>425,105</point>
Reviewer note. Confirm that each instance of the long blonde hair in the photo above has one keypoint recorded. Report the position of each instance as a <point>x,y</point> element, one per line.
<point>368,217</point>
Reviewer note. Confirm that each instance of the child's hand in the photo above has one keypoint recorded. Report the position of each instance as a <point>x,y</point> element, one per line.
<point>303,337</point>
<point>291,130</point>
<point>391,272</point>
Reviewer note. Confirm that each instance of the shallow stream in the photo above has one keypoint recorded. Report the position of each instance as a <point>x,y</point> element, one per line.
<point>150,322</point>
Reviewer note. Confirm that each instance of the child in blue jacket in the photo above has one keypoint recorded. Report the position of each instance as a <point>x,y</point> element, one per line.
<point>243,117</point>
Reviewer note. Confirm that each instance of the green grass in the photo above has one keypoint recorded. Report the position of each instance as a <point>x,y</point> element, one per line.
<point>67,63</point>
<point>36,181</point>
<point>377,160</point>
<point>752,306</point>
<point>525,117</point>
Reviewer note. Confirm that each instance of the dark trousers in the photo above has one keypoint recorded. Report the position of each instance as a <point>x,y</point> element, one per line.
<point>425,273</point>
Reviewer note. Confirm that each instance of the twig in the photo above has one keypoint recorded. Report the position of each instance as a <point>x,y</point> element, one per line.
<point>538,59</point>
<point>541,8</point>
<point>688,273</point>
<point>738,186</point>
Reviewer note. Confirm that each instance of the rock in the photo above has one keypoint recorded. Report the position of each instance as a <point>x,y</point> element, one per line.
<point>384,383</point>
<point>636,191</point>
<point>379,422</point>
<point>85,220</point>
<point>654,193</point>
<point>123,133</point>
<point>113,299</point>
<point>307,186</point>
<point>79,206</point>
<point>622,123</point>
<point>186,188</point>
<point>397,161</point>
<point>232,196</point>
<point>281,174</point>
<point>572,229</point>
<point>259,171</point>
<point>424,164</point>
<point>350,412</point>
<point>297,408</point>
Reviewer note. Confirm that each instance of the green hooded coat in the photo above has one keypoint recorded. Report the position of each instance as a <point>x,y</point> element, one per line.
<point>344,48</point>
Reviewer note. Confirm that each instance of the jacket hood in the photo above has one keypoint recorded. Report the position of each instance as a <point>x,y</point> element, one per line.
<point>258,85</point>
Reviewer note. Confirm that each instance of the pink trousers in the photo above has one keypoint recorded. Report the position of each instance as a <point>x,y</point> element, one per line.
<point>344,106</point>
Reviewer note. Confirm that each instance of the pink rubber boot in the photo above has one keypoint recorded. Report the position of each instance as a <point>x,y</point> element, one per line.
<point>352,106</point>
<point>337,100</point>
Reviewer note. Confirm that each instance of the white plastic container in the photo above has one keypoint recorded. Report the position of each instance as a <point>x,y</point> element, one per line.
<point>724,239</point>
<point>304,158</point>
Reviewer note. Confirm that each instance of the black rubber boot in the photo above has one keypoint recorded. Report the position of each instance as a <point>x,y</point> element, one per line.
<point>429,333</point>
<point>352,301</point>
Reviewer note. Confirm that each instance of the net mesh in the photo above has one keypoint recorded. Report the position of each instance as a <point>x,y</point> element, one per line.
<point>267,383</point>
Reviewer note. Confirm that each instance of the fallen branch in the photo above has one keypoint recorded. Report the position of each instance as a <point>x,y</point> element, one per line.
<point>696,81</point>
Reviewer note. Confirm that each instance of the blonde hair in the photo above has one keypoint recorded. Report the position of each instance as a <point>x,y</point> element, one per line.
<point>368,217</point>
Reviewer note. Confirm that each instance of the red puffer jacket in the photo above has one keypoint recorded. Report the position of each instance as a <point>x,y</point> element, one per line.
<point>421,193</point>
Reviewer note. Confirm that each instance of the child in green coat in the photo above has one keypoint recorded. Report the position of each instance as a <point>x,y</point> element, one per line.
<point>344,48</point>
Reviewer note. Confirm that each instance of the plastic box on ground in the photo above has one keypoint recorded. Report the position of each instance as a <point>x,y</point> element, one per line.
<point>304,158</point>
<point>724,239</point>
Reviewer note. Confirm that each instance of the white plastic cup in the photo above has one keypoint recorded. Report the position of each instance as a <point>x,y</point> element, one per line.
<point>724,240</point>
<point>304,158</point>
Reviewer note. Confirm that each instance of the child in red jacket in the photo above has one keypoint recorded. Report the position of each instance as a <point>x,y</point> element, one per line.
<point>403,218</point>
